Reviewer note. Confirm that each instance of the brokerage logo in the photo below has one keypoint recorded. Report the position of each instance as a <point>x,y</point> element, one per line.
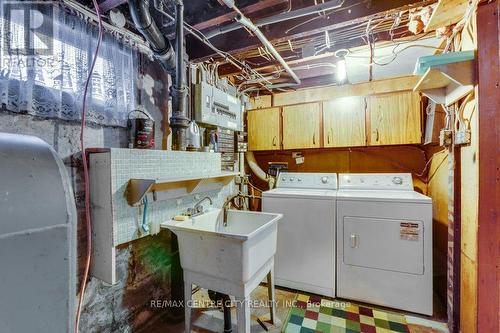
<point>28,28</point>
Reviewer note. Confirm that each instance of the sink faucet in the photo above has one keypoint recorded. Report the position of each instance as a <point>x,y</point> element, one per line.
<point>228,203</point>
<point>198,208</point>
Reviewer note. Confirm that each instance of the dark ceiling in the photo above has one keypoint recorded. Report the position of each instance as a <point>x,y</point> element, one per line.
<point>294,39</point>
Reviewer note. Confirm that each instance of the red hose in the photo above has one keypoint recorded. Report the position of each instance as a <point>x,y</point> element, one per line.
<point>83,284</point>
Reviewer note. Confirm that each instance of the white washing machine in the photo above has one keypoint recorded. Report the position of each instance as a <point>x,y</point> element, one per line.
<point>305,255</point>
<point>384,242</point>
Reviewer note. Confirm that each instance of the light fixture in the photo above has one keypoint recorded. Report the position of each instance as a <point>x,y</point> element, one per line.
<point>341,69</point>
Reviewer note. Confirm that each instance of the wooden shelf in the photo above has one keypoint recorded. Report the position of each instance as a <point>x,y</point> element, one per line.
<point>445,84</point>
<point>446,12</point>
<point>138,188</point>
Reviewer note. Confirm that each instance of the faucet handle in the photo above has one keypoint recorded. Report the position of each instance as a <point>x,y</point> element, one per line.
<point>199,209</point>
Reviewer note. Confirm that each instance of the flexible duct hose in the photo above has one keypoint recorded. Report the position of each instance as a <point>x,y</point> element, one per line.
<point>252,163</point>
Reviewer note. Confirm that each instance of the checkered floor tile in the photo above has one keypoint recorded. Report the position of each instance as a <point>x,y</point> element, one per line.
<point>313,314</point>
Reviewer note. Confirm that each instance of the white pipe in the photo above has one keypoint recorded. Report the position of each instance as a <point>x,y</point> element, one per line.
<point>267,44</point>
<point>252,163</point>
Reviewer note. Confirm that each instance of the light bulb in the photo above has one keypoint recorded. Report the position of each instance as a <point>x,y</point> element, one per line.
<point>341,70</point>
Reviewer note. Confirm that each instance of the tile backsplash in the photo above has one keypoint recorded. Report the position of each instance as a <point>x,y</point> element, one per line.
<point>156,164</point>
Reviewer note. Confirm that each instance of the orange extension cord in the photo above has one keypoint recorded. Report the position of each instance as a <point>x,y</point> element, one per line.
<point>83,284</point>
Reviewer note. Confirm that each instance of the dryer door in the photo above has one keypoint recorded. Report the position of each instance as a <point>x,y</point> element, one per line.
<point>385,244</point>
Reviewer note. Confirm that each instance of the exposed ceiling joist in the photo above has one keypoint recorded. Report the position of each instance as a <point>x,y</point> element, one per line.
<point>240,41</point>
<point>249,10</point>
<point>107,5</point>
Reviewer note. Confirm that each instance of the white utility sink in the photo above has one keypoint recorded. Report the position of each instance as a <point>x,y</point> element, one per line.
<point>230,259</point>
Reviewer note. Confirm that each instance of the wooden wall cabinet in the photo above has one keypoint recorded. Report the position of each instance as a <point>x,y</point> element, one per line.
<point>376,120</point>
<point>301,126</point>
<point>394,119</point>
<point>264,129</point>
<point>344,122</point>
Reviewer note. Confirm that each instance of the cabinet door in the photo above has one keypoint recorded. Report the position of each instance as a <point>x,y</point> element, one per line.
<point>264,129</point>
<point>301,126</point>
<point>394,119</point>
<point>344,122</point>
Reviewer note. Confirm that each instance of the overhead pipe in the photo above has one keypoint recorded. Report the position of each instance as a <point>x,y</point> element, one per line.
<point>161,47</point>
<point>310,10</point>
<point>172,61</point>
<point>240,18</point>
<point>179,121</point>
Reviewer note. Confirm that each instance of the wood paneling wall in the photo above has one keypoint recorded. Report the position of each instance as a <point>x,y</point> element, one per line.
<point>469,185</point>
<point>437,189</point>
<point>373,159</point>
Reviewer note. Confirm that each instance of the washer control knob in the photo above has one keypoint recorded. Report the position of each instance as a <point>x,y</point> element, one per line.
<point>283,178</point>
<point>397,180</point>
<point>324,180</point>
<point>299,179</point>
<point>291,179</point>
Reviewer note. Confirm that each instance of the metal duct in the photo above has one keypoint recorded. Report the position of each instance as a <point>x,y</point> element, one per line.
<point>163,51</point>
<point>173,62</point>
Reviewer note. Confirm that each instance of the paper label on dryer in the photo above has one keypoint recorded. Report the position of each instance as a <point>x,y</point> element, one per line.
<point>409,231</point>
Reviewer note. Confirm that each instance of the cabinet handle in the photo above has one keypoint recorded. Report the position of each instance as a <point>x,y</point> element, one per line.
<point>274,141</point>
<point>328,136</point>
<point>354,241</point>
<point>377,136</point>
<point>314,139</point>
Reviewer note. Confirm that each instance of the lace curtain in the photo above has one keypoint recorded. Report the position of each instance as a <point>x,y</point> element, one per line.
<point>51,85</point>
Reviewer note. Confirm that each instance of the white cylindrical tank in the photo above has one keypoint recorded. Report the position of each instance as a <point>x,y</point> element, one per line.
<point>37,238</point>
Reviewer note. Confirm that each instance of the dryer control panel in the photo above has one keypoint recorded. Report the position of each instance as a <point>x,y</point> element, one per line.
<point>376,181</point>
<point>325,181</point>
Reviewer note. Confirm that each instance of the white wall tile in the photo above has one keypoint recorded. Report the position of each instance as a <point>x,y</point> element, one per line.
<point>157,164</point>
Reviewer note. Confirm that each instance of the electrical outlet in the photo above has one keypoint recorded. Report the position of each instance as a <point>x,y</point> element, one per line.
<point>445,138</point>
<point>299,160</point>
<point>462,137</point>
<point>241,180</point>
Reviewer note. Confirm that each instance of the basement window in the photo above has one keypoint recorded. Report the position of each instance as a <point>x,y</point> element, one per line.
<point>45,75</point>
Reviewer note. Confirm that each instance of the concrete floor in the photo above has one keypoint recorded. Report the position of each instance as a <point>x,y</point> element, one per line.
<point>210,320</point>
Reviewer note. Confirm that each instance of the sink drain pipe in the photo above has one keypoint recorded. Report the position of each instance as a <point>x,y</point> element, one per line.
<point>226,307</point>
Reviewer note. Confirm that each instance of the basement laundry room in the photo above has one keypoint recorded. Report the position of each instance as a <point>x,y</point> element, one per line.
<point>246,166</point>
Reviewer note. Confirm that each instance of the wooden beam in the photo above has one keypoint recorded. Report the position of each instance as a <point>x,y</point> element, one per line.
<point>361,89</point>
<point>488,293</point>
<point>358,13</point>
<point>107,5</point>
<point>260,5</point>
<point>446,12</point>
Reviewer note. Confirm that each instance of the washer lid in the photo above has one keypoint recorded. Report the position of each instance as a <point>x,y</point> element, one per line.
<point>394,196</point>
<point>300,193</point>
